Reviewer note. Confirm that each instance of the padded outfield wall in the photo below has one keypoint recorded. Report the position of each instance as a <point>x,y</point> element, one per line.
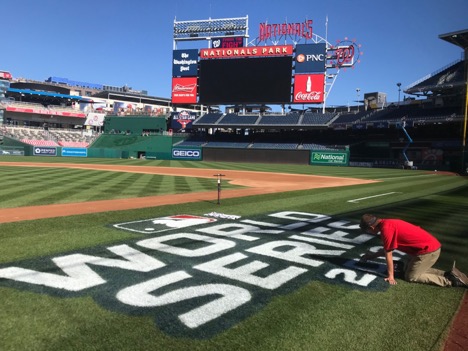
<point>256,155</point>
<point>134,146</point>
<point>134,124</point>
<point>305,157</point>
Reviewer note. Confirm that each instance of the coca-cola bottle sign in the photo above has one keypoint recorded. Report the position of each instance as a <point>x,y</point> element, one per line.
<point>308,88</point>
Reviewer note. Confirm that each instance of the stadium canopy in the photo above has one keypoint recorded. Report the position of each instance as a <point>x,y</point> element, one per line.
<point>48,94</point>
<point>458,38</point>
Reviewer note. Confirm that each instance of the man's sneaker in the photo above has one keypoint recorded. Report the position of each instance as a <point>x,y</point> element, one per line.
<point>459,275</point>
<point>456,282</point>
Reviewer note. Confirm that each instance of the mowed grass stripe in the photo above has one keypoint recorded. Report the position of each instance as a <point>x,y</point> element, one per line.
<point>30,186</point>
<point>67,187</point>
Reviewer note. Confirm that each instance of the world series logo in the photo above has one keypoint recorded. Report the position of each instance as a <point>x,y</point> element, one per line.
<point>197,276</point>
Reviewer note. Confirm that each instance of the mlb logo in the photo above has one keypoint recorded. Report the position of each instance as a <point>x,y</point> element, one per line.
<point>162,224</point>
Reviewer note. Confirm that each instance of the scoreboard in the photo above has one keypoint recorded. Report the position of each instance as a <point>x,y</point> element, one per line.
<point>280,74</point>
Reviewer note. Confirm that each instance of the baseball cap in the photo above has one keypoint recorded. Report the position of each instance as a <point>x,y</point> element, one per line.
<point>367,220</point>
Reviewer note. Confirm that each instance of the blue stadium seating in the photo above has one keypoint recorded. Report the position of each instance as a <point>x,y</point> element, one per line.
<point>289,119</point>
<point>209,118</point>
<point>317,118</point>
<point>233,118</point>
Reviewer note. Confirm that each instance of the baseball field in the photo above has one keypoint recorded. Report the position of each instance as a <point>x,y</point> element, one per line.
<point>111,254</point>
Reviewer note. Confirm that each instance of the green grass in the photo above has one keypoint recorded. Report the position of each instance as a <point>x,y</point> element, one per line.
<point>28,186</point>
<point>316,316</point>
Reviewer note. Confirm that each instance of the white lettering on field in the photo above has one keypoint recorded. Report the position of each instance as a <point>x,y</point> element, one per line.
<point>78,275</point>
<point>246,272</point>
<point>142,295</point>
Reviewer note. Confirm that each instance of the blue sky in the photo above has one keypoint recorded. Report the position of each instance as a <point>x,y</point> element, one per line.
<point>130,42</point>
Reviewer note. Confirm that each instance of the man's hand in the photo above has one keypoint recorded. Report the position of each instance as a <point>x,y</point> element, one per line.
<point>390,270</point>
<point>364,257</point>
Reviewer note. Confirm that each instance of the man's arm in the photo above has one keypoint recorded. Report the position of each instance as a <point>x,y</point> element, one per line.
<point>369,255</point>
<point>389,259</point>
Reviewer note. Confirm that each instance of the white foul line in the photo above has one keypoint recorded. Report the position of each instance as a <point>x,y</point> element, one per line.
<point>370,197</point>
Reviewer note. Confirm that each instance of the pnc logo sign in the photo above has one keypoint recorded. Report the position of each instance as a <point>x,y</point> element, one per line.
<point>310,58</point>
<point>197,276</point>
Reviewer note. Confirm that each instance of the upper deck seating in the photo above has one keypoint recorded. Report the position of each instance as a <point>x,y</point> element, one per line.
<point>209,118</point>
<point>315,118</point>
<point>233,118</point>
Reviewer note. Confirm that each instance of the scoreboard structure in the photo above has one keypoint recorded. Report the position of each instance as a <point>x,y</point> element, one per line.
<point>233,71</point>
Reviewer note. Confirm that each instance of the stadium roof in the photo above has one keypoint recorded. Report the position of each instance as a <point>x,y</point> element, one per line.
<point>459,38</point>
<point>48,94</point>
<point>446,80</point>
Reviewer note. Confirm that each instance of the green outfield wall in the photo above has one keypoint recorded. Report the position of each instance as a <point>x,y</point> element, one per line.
<point>134,125</point>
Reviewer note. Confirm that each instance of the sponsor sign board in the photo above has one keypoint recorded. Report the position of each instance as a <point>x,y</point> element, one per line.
<point>310,58</point>
<point>184,63</point>
<point>308,88</point>
<point>186,154</point>
<point>184,90</point>
<point>183,120</point>
<point>44,151</point>
<point>75,151</point>
<point>198,276</point>
<point>329,158</point>
<point>11,151</point>
<point>227,42</point>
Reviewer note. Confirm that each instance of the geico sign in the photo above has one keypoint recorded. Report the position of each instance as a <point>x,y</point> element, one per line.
<point>185,153</point>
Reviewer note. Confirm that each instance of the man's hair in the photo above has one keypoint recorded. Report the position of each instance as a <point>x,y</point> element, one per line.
<point>367,220</point>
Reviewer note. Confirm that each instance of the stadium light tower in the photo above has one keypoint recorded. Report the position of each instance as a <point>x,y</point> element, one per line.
<point>399,89</point>
<point>357,92</point>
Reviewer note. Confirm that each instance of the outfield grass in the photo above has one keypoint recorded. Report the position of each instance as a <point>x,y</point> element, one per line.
<point>315,315</point>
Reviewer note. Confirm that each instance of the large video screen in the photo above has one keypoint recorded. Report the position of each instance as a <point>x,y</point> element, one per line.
<point>245,80</point>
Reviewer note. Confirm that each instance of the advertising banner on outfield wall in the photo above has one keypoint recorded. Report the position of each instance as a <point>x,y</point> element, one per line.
<point>193,154</point>
<point>44,151</point>
<point>75,151</point>
<point>329,158</point>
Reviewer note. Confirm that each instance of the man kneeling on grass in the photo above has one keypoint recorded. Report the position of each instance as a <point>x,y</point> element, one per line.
<point>422,248</point>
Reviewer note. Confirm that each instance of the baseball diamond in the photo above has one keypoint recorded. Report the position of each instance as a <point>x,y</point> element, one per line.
<point>277,184</point>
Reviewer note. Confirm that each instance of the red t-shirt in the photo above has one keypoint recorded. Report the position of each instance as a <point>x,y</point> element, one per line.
<point>409,238</point>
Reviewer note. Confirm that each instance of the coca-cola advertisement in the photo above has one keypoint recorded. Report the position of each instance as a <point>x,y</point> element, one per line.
<point>308,88</point>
